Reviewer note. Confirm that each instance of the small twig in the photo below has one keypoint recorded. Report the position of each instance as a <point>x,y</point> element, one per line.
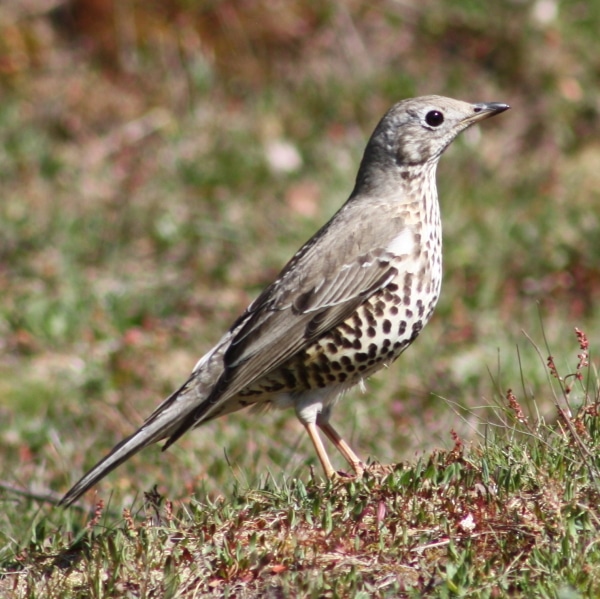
<point>564,415</point>
<point>45,497</point>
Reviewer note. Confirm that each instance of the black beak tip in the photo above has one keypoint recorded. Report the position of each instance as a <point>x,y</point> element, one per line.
<point>492,107</point>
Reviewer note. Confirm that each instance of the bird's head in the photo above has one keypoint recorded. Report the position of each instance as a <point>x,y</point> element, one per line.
<point>414,133</point>
<point>418,130</point>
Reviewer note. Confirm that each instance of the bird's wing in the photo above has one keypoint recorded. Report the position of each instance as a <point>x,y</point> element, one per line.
<point>299,311</point>
<point>289,314</point>
<point>319,288</point>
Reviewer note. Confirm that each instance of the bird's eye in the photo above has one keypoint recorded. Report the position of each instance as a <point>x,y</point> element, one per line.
<point>434,118</point>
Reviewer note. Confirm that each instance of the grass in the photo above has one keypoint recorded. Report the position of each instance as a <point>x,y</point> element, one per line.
<point>516,515</point>
<point>139,218</point>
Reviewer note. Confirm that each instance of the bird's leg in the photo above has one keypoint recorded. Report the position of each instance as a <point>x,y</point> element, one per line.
<point>313,433</point>
<point>343,447</point>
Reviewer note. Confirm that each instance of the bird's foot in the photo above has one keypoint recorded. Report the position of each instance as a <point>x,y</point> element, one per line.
<point>380,470</point>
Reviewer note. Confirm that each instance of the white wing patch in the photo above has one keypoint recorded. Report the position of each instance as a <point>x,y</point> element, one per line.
<point>403,244</point>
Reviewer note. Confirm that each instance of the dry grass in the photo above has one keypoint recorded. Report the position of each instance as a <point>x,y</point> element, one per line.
<point>514,517</point>
<point>148,194</point>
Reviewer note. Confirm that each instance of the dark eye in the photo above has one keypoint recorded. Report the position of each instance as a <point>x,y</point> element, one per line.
<point>434,118</point>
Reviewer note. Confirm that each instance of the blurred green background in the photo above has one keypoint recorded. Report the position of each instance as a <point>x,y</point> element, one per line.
<point>160,161</point>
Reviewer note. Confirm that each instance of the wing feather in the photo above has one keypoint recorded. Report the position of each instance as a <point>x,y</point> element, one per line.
<point>314,293</point>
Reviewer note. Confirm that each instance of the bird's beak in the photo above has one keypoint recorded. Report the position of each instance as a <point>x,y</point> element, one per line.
<point>484,110</point>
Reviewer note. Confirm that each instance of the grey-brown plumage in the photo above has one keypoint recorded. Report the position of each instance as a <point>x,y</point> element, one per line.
<point>348,303</point>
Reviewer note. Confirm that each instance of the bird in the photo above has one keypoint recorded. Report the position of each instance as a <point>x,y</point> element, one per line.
<point>348,303</point>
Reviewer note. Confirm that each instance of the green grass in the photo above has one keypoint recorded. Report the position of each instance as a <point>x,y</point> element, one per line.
<point>141,212</point>
<point>514,516</point>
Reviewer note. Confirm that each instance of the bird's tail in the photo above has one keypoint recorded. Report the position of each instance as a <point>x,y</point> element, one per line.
<point>165,419</point>
<point>163,422</point>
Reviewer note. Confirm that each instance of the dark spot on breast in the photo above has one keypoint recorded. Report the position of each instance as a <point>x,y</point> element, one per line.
<point>324,365</point>
<point>289,377</point>
<point>319,380</point>
<point>346,328</point>
<point>402,327</point>
<point>332,348</point>
<point>416,329</point>
<point>303,375</point>
<point>337,337</point>
<point>336,366</point>
<point>371,332</point>
<point>368,308</point>
<point>361,357</point>
<point>387,326</point>
<point>393,310</point>
<point>372,350</point>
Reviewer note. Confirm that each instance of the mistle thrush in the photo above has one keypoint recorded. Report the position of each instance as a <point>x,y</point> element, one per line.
<point>350,301</point>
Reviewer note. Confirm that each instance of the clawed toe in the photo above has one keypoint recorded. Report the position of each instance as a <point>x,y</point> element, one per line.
<point>377,469</point>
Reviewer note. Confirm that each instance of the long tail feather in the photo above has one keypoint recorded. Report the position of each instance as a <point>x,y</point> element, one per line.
<point>162,423</point>
<point>156,428</point>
